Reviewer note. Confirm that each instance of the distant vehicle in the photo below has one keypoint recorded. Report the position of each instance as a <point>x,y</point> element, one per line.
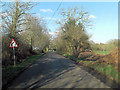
<point>36,48</point>
<point>52,49</point>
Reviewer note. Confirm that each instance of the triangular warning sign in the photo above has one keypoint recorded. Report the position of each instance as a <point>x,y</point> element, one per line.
<point>13,44</point>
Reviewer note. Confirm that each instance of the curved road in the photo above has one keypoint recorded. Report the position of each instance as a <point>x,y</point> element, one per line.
<point>56,71</point>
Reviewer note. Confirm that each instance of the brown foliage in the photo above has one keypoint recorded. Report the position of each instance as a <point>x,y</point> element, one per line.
<point>112,58</point>
<point>89,56</point>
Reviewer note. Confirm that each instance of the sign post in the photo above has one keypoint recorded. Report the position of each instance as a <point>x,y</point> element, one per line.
<point>13,44</point>
<point>14,55</point>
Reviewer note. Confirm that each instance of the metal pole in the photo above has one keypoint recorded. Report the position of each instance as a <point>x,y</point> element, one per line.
<point>14,55</point>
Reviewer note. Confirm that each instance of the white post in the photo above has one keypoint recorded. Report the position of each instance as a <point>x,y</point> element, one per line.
<point>14,55</point>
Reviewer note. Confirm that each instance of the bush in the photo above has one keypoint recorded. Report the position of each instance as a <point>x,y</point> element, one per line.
<point>21,52</point>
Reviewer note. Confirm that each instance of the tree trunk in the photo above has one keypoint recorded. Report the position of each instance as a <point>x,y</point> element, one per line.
<point>31,45</point>
<point>75,52</point>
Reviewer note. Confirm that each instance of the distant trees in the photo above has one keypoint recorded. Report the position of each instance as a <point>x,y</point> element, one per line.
<point>36,32</point>
<point>73,30</point>
<point>60,44</point>
<point>110,45</point>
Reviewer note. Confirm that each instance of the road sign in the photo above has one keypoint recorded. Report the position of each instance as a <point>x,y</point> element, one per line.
<point>13,44</point>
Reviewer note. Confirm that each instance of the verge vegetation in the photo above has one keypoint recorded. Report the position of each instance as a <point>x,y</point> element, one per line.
<point>73,42</point>
<point>109,70</point>
<point>9,72</point>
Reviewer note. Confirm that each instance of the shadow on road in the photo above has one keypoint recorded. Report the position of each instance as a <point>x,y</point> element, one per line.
<point>43,71</point>
<point>51,68</point>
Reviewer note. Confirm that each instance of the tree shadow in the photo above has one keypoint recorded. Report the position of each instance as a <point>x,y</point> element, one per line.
<point>103,78</point>
<point>49,67</point>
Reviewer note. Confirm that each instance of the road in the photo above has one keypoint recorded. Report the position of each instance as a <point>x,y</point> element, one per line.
<point>55,71</point>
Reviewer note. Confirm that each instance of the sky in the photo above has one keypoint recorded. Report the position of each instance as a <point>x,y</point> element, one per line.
<point>103,15</point>
<point>63,0</point>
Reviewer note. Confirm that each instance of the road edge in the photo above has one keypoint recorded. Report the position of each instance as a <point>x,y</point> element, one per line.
<point>103,78</point>
<point>9,82</point>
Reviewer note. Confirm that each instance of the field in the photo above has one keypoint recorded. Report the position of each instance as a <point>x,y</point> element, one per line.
<point>102,52</point>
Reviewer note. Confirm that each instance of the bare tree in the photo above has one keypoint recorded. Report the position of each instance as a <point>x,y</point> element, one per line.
<point>13,14</point>
<point>74,29</point>
<point>36,32</point>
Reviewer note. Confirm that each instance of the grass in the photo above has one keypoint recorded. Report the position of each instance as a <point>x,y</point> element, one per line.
<point>69,56</point>
<point>102,52</point>
<point>107,70</point>
<point>11,71</point>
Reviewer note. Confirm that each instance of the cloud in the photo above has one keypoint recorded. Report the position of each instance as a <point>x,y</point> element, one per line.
<point>49,18</point>
<point>3,14</point>
<point>46,10</point>
<point>93,24</point>
<point>52,33</point>
<point>91,16</point>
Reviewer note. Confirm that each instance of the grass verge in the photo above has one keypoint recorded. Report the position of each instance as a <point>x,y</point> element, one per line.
<point>9,72</point>
<point>102,52</point>
<point>107,70</point>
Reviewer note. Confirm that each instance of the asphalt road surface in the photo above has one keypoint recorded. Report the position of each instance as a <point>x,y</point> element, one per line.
<point>56,71</point>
